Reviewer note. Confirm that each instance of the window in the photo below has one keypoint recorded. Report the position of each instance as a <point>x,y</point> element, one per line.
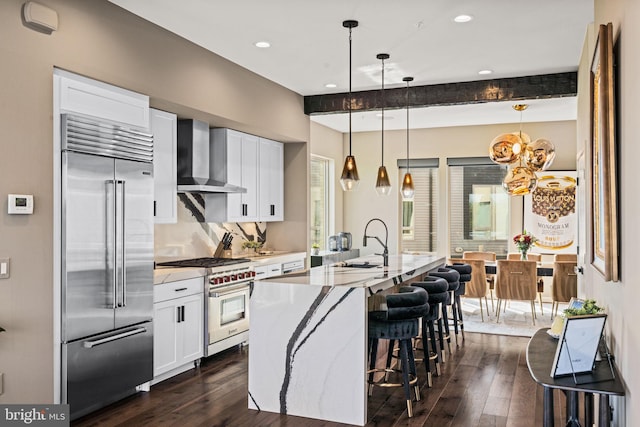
<point>419,216</point>
<point>321,191</point>
<point>479,206</point>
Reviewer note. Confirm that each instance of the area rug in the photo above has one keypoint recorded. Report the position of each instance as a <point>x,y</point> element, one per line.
<point>515,320</point>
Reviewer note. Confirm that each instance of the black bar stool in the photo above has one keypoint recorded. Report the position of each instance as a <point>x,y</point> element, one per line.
<point>437,289</point>
<point>452,277</point>
<point>465,276</point>
<point>398,322</point>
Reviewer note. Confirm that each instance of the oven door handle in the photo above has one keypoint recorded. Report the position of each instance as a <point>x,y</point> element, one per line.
<point>226,290</point>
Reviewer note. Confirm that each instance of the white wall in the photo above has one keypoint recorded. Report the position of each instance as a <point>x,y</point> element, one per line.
<point>619,299</point>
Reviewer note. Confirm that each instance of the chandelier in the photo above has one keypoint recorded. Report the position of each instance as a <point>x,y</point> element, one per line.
<point>527,157</point>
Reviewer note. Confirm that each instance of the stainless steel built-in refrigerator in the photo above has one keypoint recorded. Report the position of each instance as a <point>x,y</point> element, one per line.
<point>107,262</point>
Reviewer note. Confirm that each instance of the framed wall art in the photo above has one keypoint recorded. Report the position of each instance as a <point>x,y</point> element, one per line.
<point>603,150</point>
<point>550,212</point>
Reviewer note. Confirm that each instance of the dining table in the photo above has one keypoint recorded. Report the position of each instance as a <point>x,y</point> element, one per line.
<point>542,269</point>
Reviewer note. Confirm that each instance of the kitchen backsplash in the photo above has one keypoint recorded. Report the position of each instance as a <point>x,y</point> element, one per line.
<point>191,238</point>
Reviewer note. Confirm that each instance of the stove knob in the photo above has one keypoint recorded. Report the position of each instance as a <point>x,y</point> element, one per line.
<point>215,281</point>
<point>253,274</point>
<point>233,277</point>
<point>242,275</point>
<point>226,279</point>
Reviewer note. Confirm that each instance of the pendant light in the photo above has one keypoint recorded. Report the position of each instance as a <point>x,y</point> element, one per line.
<point>349,179</point>
<point>516,147</point>
<point>383,186</point>
<point>408,189</point>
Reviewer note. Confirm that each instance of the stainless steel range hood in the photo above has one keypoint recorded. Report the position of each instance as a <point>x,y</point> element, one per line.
<point>194,159</point>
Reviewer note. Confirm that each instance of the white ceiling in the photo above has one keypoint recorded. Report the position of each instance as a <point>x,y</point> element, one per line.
<point>309,47</point>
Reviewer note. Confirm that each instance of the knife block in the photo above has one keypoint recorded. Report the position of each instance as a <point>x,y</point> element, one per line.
<point>219,250</point>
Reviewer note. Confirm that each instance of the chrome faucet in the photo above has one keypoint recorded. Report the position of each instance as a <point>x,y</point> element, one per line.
<point>385,252</point>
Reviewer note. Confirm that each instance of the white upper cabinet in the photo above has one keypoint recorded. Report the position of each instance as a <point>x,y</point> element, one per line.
<point>79,94</point>
<point>250,162</point>
<point>234,160</point>
<point>164,129</point>
<point>271,195</point>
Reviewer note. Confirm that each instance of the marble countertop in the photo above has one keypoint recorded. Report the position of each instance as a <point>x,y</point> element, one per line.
<point>401,267</point>
<point>170,274</point>
<point>173,274</point>
<point>277,256</point>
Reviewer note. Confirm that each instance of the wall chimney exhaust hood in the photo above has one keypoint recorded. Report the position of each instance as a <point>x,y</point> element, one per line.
<point>194,158</point>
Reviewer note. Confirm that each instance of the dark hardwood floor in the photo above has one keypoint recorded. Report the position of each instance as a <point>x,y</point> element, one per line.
<point>485,382</point>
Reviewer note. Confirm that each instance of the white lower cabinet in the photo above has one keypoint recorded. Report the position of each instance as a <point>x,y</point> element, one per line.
<point>268,270</point>
<point>178,316</point>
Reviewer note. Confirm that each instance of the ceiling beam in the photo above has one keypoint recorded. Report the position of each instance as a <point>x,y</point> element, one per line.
<point>509,89</point>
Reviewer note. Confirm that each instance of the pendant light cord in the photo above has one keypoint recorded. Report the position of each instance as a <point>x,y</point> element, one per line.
<point>382,162</point>
<point>521,124</point>
<point>407,100</point>
<point>350,100</point>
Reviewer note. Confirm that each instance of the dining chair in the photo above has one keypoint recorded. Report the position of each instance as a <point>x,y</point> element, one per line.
<point>477,286</point>
<point>515,256</point>
<point>484,256</point>
<point>516,280</point>
<point>565,284</point>
<point>565,257</point>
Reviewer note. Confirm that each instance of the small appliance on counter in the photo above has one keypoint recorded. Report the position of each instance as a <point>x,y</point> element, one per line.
<point>340,242</point>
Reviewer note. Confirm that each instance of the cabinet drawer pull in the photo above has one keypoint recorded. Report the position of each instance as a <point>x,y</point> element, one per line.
<point>180,289</point>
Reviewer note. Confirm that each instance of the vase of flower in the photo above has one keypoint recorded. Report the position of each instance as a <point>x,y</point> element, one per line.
<point>524,242</point>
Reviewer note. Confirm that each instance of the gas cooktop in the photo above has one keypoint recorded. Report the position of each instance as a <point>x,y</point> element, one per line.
<point>203,262</point>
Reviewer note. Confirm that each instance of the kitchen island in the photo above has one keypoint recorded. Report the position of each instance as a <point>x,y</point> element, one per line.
<point>308,336</point>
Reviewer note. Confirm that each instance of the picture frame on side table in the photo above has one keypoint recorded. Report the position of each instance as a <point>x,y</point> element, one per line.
<point>605,257</point>
<point>578,345</point>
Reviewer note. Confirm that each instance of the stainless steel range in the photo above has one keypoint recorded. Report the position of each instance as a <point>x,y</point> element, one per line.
<point>227,306</point>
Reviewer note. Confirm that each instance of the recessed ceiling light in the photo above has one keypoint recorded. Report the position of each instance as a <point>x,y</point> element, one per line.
<point>463,18</point>
<point>330,85</point>
<point>485,72</point>
<point>263,44</point>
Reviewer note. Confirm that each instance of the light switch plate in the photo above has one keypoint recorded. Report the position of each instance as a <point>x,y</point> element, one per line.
<point>5,268</point>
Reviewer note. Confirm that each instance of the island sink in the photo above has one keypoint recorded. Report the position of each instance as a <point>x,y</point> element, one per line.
<point>357,265</point>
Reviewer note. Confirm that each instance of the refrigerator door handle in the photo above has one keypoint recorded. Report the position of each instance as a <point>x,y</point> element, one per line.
<point>114,280</point>
<point>120,244</point>
<point>91,344</point>
<point>124,245</point>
